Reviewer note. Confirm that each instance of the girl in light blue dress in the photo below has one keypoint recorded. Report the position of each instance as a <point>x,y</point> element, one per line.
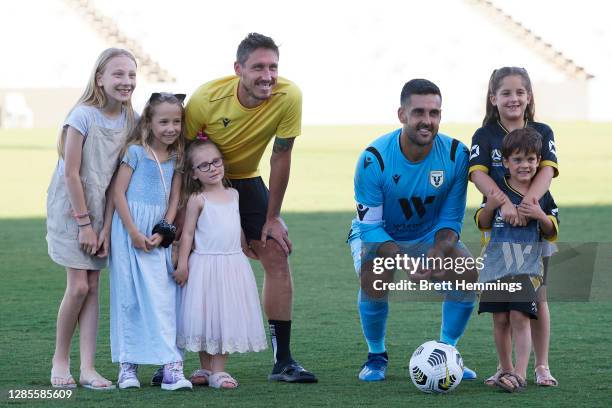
<point>143,293</point>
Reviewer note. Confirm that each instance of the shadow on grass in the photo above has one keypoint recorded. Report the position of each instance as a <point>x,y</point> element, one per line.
<point>326,331</point>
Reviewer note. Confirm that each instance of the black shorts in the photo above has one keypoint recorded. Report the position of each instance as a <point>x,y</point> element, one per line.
<point>524,300</point>
<point>253,205</point>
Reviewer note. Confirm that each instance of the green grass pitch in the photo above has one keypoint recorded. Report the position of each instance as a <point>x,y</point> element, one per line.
<point>327,336</point>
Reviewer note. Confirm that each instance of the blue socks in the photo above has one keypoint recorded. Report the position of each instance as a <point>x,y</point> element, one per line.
<point>373,314</point>
<point>455,317</point>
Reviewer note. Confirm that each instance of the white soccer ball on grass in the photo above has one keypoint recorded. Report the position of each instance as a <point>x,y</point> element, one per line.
<point>436,367</point>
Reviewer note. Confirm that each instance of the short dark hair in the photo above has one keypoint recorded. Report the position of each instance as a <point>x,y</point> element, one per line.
<point>252,42</point>
<point>418,87</point>
<point>524,140</point>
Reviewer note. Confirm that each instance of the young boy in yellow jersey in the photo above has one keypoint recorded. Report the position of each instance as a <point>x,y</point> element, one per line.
<point>513,255</point>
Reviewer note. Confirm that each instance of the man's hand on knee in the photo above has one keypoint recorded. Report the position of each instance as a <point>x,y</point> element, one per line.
<point>276,229</point>
<point>368,277</point>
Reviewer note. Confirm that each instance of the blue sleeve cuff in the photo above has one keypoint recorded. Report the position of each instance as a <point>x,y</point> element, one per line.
<point>455,226</point>
<point>373,233</point>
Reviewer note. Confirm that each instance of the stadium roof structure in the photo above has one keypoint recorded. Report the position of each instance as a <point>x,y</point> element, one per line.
<point>350,58</point>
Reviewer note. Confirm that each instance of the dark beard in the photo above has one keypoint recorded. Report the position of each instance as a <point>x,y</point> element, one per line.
<point>415,139</point>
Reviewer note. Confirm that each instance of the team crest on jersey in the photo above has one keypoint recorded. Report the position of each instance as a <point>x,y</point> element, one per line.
<point>436,178</point>
<point>499,220</point>
<point>496,155</point>
<point>552,147</point>
<point>225,121</point>
<point>475,152</point>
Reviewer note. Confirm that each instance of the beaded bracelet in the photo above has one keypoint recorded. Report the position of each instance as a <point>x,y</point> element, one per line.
<point>84,225</point>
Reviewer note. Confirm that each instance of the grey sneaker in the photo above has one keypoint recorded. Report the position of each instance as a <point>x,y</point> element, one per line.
<point>128,376</point>
<point>174,379</point>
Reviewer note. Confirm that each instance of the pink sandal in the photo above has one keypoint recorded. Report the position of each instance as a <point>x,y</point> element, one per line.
<point>200,377</point>
<point>61,382</point>
<point>546,379</point>
<point>218,380</point>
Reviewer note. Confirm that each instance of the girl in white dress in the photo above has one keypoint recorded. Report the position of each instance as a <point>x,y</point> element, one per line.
<point>219,310</point>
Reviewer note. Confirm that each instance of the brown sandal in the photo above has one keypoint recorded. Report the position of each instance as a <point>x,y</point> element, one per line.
<point>492,379</point>
<point>517,383</point>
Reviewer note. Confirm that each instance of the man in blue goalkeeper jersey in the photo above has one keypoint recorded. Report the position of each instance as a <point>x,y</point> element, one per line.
<point>410,189</point>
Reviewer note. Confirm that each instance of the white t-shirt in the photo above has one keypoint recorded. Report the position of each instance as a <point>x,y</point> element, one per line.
<point>83,116</point>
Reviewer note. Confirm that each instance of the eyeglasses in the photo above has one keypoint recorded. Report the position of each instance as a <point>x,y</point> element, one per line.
<point>205,167</point>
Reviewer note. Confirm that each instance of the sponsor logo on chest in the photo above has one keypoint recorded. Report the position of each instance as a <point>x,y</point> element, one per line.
<point>496,158</point>
<point>498,221</point>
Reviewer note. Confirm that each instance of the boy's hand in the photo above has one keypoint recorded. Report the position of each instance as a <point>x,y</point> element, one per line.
<point>510,213</point>
<point>522,220</point>
<point>180,275</point>
<point>531,209</point>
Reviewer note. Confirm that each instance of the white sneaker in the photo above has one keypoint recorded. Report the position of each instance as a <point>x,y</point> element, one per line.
<point>174,379</point>
<point>127,376</point>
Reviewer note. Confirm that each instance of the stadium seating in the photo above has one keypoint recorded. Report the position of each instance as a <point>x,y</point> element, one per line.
<point>349,58</point>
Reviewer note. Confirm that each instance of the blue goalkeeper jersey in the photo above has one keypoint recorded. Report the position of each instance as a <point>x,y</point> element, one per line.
<point>398,200</point>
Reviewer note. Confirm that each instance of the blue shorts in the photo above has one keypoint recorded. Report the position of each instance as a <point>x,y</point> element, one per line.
<point>417,247</point>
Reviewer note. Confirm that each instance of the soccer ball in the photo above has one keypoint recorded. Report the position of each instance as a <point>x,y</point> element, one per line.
<point>436,367</point>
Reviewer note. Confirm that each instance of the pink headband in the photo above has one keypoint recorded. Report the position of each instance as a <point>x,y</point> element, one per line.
<point>202,136</point>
